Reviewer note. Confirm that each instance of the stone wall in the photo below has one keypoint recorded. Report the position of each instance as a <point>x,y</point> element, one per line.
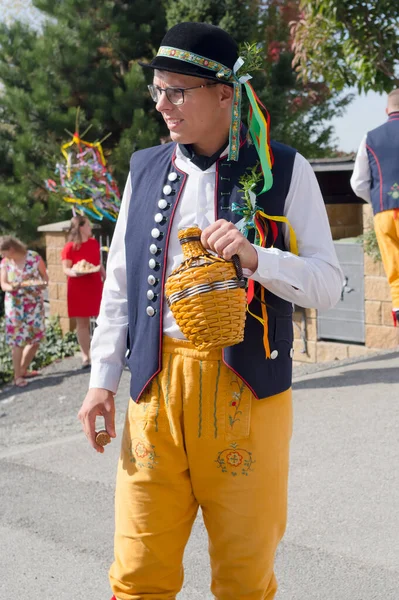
<point>349,221</point>
<point>55,236</point>
<point>345,220</point>
<point>380,330</point>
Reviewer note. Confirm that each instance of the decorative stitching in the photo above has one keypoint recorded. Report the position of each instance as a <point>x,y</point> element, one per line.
<point>235,460</point>
<point>235,403</point>
<point>168,381</point>
<point>215,420</point>
<point>394,191</point>
<point>142,454</point>
<point>158,404</point>
<point>200,402</point>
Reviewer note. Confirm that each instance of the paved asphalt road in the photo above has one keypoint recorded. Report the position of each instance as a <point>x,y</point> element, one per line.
<point>342,541</point>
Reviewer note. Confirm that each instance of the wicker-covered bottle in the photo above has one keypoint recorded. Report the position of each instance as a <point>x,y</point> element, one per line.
<point>206,295</point>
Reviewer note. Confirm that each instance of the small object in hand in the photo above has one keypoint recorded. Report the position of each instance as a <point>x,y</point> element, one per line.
<point>103,438</point>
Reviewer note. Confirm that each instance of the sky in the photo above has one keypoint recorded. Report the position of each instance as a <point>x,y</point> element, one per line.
<point>366,112</point>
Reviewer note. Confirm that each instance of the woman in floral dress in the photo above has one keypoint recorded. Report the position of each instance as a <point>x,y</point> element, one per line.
<point>23,305</point>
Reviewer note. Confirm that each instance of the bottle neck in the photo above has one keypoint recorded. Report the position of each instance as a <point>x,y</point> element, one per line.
<point>190,240</point>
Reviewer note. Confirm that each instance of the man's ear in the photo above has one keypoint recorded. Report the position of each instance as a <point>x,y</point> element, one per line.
<point>226,94</point>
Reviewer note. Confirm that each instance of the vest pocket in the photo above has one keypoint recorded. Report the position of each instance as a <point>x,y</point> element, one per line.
<point>149,411</point>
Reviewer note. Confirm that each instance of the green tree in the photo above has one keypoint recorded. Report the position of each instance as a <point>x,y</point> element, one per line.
<point>85,56</point>
<point>239,18</point>
<point>349,43</point>
<point>300,112</point>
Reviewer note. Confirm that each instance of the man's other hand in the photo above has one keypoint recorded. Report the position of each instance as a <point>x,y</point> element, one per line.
<point>98,403</point>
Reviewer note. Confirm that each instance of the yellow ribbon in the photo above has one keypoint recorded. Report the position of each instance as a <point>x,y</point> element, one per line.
<point>293,242</point>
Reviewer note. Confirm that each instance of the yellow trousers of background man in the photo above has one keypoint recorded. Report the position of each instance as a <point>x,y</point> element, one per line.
<point>198,437</point>
<point>386,226</point>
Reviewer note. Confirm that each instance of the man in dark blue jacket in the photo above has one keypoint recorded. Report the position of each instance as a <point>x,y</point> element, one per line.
<point>376,179</point>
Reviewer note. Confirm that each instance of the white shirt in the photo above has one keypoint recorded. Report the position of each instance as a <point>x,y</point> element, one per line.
<point>312,280</point>
<point>361,176</point>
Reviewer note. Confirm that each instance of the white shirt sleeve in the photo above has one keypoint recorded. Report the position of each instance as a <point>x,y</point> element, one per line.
<point>361,176</point>
<point>108,347</point>
<point>314,278</point>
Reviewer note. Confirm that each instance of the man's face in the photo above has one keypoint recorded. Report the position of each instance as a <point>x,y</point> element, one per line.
<point>204,114</point>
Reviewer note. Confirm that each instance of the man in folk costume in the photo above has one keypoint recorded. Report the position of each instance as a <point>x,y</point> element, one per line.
<point>375,178</point>
<point>208,428</point>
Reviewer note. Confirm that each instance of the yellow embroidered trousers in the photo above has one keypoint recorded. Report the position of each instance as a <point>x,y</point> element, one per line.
<point>386,226</point>
<point>198,437</point>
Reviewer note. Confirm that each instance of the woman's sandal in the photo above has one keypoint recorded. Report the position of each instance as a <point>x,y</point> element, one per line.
<point>20,382</point>
<point>29,374</point>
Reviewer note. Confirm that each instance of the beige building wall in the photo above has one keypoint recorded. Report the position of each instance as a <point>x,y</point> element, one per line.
<point>350,221</point>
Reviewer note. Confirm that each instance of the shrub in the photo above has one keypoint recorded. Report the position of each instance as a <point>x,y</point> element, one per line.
<point>370,245</point>
<point>54,346</point>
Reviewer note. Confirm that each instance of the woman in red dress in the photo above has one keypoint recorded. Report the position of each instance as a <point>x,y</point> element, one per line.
<point>84,290</point>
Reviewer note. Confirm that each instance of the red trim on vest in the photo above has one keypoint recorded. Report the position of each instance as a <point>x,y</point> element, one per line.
<point>380,174</point>
<point>163,276</point>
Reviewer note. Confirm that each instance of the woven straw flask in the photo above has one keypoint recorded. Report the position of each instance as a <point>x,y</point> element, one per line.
<point>206,295</point>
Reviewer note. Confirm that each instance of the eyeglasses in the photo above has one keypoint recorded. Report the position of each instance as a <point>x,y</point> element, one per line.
<point>173,94</point>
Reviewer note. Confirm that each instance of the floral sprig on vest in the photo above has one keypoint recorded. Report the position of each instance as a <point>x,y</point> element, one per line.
<point>253,217</point>
<point>394,191</point>
<point>249,210</point>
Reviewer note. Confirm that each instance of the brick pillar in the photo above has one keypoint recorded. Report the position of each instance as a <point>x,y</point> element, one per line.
<point>55,236</point>
<point>380,332</point>
<point>345,220</point>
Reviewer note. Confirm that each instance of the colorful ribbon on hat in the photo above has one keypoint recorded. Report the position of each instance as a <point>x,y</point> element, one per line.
<point>258,123</point>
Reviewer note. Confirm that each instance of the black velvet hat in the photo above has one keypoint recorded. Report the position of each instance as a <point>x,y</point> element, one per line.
<point>202,39</point>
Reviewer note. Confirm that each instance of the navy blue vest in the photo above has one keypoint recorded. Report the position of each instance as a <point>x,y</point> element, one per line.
<point>155,193</point>
<point>383,154</point>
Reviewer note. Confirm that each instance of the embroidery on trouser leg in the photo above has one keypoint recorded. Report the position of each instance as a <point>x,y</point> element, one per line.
<point>215,418</point>
<point>238,406</point>
<point>167,391</point>
<point>235,460</point>
<point>158,404</point>
<point>142,453</point>
<point>235,403</point>
<point>200,401</point>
